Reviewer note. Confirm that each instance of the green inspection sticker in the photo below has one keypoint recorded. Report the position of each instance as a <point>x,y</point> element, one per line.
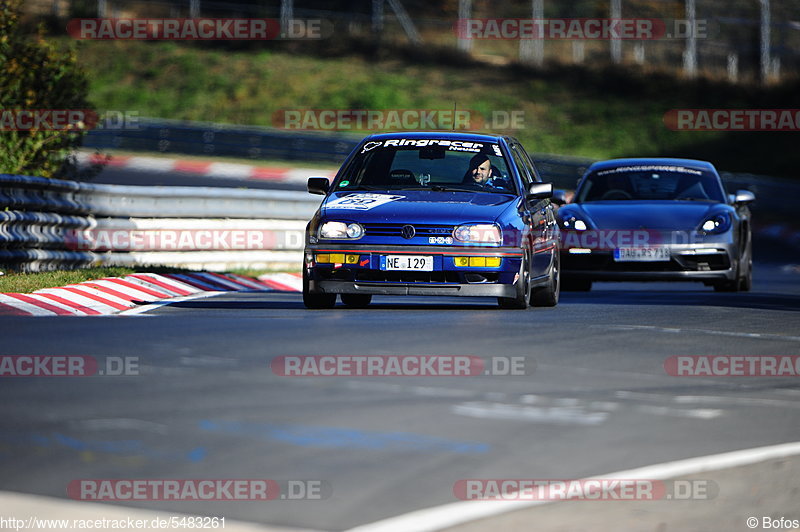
<point>344,183</point>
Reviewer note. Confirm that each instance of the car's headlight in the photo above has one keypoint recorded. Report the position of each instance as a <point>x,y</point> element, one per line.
<point>478,233</point>
<point>575,223</point>
<point>719,223</point>
<point>341,230</point>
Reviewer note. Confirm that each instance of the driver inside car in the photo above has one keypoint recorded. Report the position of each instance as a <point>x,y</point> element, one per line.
<point>481,172</point>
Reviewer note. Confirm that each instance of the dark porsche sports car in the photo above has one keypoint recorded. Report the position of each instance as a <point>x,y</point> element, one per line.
<point>449,214</point>
<point>656,220</point>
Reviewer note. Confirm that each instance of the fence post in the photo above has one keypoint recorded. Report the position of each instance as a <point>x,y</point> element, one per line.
<point>690,54</point>
<point>464,13</point>
<point>287,14</point>
<point>616,44</point>
<point>194,8</point>
<point>765,39</point>
<point>377,17</point>
<point>733,67</point>
<point>532,50</point>
<point>102,9</point>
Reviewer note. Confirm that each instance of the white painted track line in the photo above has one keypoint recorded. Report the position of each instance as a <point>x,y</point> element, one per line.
<point>449,515</point>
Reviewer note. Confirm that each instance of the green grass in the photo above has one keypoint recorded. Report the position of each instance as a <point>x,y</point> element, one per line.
<point>25,283</point>
<point>583,111</point>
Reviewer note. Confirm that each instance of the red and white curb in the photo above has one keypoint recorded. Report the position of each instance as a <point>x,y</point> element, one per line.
<point>281,174</point>
<point>137,293</point>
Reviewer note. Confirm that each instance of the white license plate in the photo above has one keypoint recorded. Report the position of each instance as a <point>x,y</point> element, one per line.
<point>641,254</point>
<point>421,263</point>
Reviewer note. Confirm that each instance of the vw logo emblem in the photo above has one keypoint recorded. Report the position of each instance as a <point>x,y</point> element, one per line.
<point>408,231</point>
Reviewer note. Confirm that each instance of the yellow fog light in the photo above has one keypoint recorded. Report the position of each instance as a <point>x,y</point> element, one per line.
<point>477,262</point>
<point>351,259</point>
<point>461,261</point>
<point>493,262</point>
<point>323,258</point>
<point>337,258</point>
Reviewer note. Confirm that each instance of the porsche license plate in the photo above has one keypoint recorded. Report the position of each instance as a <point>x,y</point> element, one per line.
<point>641,254</point>
<point>422,263</point>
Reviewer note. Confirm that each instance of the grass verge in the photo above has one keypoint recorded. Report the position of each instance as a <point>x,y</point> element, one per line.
<point>595,112</point>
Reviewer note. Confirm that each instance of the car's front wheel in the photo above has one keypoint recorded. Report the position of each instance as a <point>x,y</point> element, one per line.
<point>316,300</point>
<point>522,296</point>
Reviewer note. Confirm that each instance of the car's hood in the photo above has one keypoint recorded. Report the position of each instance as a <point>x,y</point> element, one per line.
<point>658,215</point>
<point>415,206</point>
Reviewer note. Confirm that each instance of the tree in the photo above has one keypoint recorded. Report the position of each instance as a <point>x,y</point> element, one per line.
<point>37,77</point>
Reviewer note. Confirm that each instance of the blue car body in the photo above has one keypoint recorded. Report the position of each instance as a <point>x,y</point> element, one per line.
<point>409,219</point>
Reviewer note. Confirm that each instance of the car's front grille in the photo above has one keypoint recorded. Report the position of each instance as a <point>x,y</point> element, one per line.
<point>678,263</point>
<point>375,229</point>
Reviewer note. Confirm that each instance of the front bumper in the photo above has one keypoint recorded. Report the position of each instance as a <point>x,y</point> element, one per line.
<point>686,263</point>
<point>446,279</point>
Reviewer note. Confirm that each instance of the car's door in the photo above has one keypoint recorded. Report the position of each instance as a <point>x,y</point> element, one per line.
<point>534,215</point>
<point>546,239</point>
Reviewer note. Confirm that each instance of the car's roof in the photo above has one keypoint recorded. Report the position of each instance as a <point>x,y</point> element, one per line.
<point>448,135</point>
<point>652,161</point>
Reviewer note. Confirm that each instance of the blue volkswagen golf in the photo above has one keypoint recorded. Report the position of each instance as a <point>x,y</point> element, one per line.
<point>441,214</point>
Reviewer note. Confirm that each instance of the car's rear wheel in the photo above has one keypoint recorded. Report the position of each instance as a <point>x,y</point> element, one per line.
<point>576,285</point>
<point>547,296</point>
<point>316,300</point>
<point>356,300</point>
<point>523,289</point>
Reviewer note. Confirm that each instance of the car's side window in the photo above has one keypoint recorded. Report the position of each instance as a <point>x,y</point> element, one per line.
<point>522,166</point>
<point>534,171</point>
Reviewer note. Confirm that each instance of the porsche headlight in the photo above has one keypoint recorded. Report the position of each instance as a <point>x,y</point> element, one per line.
<point>341,230</point>
<point>719,223</point>
<point>478,233</point>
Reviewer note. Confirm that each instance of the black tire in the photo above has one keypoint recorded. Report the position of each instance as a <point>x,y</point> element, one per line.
<point>576,285</point>
<point>316,301</point>
<point>743,281</point>
<point>547,296</point>
<point>356,300</point>
<point>746,281</point>
<point>522,298</point>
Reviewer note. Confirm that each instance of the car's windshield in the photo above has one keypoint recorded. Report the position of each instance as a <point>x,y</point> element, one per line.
<point>434,164</point>
<point>651,182</point>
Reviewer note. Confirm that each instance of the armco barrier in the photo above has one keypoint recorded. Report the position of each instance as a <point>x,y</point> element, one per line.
<point>50,224</point>
<point>202,138</point>
<point>255,142</point>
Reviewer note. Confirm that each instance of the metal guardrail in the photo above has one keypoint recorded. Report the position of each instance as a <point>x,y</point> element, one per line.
<point>210,139</point>
<point>48,224</point>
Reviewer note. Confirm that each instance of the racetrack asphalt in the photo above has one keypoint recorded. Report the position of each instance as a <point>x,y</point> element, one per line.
<point>206,403</point>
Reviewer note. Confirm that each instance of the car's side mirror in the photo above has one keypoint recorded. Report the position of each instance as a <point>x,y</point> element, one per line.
<point>318,185</point>
<point>743,197</point>
<point>559,197</point>
<point>538,192</point>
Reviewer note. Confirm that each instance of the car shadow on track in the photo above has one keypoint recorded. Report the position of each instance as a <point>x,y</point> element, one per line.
<point>700,298</point>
